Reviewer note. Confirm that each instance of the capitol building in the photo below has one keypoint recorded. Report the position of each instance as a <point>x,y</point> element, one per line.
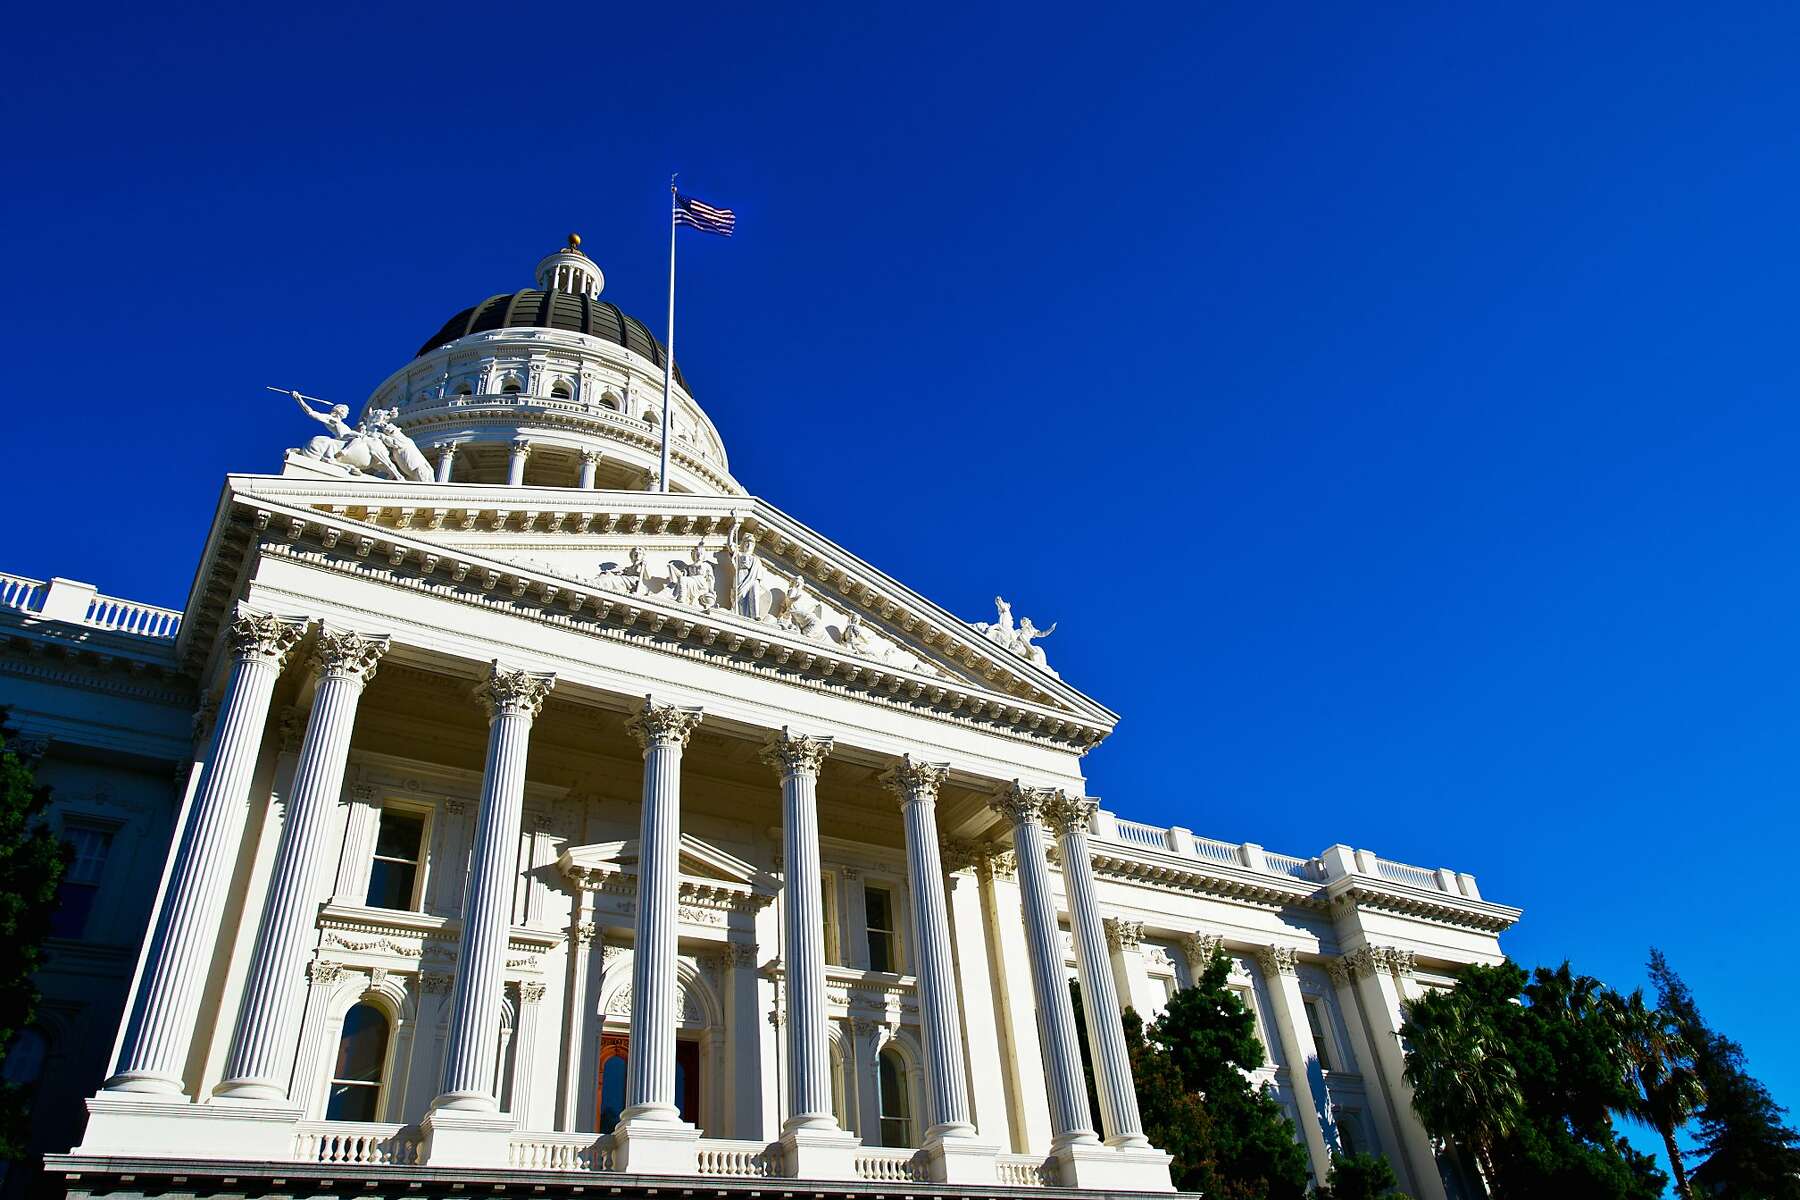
<point>500,817</point>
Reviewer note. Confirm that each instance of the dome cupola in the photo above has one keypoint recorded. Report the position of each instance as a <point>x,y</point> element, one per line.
<point>554,387</point>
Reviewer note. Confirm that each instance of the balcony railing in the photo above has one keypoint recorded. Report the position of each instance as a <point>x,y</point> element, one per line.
<point>82,604</point>
<point>1250,857</point>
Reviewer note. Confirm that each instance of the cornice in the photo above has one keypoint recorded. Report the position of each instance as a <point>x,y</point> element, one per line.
<point>1195,877</point>
<point>70,667</point>
<point>1363,893</point>
<point>382,555</point>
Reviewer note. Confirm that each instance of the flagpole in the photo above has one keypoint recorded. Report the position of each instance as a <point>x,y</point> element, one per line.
<point>668,345</point>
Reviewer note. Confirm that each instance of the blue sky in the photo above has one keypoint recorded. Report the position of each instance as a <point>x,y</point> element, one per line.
<point>1395,409</point>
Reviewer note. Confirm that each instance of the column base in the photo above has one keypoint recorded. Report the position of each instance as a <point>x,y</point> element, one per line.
<point>1114,1169</point>
<point>958,1159</point>
<point>460,1137</point>
<point>646,1147</point>
<point>819,1154</point>
<point>124,1124</point>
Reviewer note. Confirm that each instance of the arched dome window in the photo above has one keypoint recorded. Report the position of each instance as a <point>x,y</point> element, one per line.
<point>465,388</point>
<point>608,400</point>
<point>510,386</point>
<point>560,390</point>
<point>896,1102</point>
<point>356,1079</point>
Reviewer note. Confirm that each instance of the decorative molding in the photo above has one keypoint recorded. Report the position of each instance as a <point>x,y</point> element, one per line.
<point>1366,961</point>
<point>508,692</point>
<point>293,728</point>
<point>435,983</point>
<point>663,725</point>
<point>346,654</point>
<point>913,781</point>
<point>1020,804</point>
<point>1068,815</point>
<point>531,991</point>
<point>959,854</point>
<point>261,636</point>
<point>793,753</point>
<point>324,970</point>
<point>1277,960</point>
<point>1200,948</point>
<point>1123,935</point>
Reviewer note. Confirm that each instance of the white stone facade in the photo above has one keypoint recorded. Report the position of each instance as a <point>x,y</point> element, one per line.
<point>574,829</point>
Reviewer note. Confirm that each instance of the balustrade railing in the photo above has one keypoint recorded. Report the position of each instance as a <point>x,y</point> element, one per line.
<point>1288,864</point>
<point>1026,1170</point>
<point>355,1143</point>
<point>890,1166</point>
<point>20,592</point>
<point>1137,833</point>
<point>554,1151</point>
<point>128,616</point>
<point>1406,873</point>
<point>719,1156</point>
<point>1213,850</point>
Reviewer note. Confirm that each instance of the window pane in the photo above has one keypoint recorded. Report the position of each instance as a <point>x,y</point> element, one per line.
<point>612,1092</point>
<point>1318,1032</point>
<point>881,952</point>
<point>90,847</point>
<point>363,1047</point>
<point>74,901</point>
<point>399,835</point>
<point>878,907</point>
<point>391,884</point>
<point>352,1102</point>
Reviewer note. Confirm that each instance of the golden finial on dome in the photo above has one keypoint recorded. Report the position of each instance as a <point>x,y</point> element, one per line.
<point>574,241</point>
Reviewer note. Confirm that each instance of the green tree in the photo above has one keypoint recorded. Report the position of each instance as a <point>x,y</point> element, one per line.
<point>1747,1151</point>
<point>31,865</point>
<point>1659,1070</point>
<point>1360,1177</point>
<point>1230,1140</point>
<point>1527,1072</point>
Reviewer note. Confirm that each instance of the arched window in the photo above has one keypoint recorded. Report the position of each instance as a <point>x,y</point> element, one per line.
<point>510,386</point>
<point>614,1056</point>
<point>25,1057</point>
<point>361,1061</point>
<point>560,390</point>
<point>896,1104</point>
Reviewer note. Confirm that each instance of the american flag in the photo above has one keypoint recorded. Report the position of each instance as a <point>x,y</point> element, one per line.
<point>703,216</point>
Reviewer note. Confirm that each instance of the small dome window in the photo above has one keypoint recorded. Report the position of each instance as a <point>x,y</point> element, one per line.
<point>510,386</point>
<point>560,390</point>
<point>465,388</point>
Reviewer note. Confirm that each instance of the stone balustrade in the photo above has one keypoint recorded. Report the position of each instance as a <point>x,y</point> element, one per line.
<point>82,604</point>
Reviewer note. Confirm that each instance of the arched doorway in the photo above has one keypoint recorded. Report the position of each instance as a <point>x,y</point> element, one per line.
<point>615,1057</point>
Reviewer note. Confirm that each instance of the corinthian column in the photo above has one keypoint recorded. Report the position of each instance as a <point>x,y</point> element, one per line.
<point>949,1142</point>
<point>261,1062</point>
<point>651,1136</point>
<point>815,1147</point>
<point>1056,1016</point>
<point>178,965</point>
<point>1069,816</point>
<point>797,759</point>
<point>513,700</point>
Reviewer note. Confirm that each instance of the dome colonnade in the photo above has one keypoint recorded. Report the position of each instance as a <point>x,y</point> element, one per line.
<point>552,386</point>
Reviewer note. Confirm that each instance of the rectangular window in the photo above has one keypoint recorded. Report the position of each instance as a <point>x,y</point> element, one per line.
<point>394,877</point>
<point>80,884</point>
<point>828,915</point>
<point>1315,1020</point>
<point>884,948</point>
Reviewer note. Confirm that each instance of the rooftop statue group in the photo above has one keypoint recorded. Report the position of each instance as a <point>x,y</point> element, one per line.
<point>1021,638</point>
<point>377,444</point>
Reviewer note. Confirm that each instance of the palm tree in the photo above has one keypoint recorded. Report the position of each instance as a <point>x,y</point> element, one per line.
<point>1464,1084</point>
<point>1665,1088</point>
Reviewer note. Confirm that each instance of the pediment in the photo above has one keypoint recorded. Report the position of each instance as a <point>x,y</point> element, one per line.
<point>699,862</point>
<point>727,573</point>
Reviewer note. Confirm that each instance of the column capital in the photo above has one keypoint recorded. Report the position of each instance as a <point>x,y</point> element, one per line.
<point>347,654</point>
<point>793,753</point>
<point>1366,961</point>
<point>522,445</point>
<point>959,854</point>
<point>911,780</point>
<point>1066,814</point>
<point>1023,805</point>
<point>663,724</point>
<point>1200,948</point>
<point>1277,960</point>
<point>510,692</point>
<point>531,991</point>
<point>1339,973</point>
<point>1122,934</point>
<point>263,635</point>
<point>592,457</point>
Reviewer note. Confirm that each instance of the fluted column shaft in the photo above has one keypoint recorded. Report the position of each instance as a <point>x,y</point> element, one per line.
<point>663,731</point>
<point>940,1020</point>
<point>797,758</point>
<point>1056,1015</point>
<point>263,1045</point>
<point>515,463</point>
<point>446,462</point>
<point>178,965</point>
<point>590,462</point>
<point>1100,995</point>
<point>513,699</point>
